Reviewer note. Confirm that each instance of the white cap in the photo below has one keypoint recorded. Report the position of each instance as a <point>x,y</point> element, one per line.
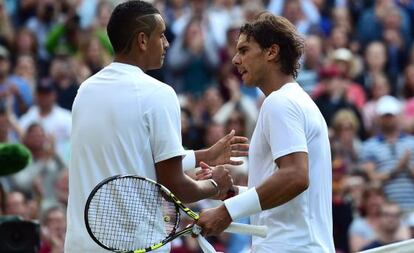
<point>342,54</point>
<point>388,105</point>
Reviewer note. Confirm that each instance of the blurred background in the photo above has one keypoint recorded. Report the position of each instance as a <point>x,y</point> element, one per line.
<point>358,66</point>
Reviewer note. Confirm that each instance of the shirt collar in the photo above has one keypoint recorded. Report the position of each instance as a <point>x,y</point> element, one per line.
<point>125,66</point>
<point>381,137</point>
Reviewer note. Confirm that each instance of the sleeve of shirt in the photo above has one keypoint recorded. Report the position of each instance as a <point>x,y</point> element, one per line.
<point>165,125</point>
<point>283,127</point>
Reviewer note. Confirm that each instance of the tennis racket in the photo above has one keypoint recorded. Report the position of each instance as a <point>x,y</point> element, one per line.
<point>134,214</point>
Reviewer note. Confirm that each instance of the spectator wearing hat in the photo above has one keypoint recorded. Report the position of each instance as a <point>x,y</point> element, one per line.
<point>388,157</point>
<point>331,96</point>
<point>349,67</point>
<point>54,119</point>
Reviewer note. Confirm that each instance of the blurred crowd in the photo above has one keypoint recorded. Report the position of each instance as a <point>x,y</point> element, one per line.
<point>358,66</point>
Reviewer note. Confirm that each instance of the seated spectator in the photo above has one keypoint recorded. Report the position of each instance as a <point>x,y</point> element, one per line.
<point>364,228</point>
<point>331,96</point>
<point>39,177</point>
<point>388,157</point>
<point>389,227</point>
<point>53,230</point>
<point>345,142</point>
<point>16,205</point>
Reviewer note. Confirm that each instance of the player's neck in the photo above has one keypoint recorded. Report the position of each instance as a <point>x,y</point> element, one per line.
<point>274,81</point>
<point>128,59</point>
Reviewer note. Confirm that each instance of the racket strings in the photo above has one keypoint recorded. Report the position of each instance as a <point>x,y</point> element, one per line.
<point>131,213</point>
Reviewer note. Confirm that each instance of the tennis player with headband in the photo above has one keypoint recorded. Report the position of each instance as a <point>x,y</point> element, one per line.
<point>290,178</point>
<point>126,122</point>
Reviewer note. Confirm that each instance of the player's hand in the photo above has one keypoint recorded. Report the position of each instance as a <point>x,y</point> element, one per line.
<point>207,172</point>
<point>214,221</point>
<point>227,147</point>
<point>204,173</point>
<point>222,177</point>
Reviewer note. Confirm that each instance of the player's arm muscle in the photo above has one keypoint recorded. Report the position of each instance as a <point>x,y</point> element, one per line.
<point>286,183</point>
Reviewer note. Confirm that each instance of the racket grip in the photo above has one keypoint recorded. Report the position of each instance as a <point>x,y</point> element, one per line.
<point>240,228</point>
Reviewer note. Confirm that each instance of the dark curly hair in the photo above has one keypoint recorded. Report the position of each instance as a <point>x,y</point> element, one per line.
<point>267,30</point>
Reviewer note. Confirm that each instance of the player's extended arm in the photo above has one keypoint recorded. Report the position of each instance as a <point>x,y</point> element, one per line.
<point>170,174</point>
<point>286,183</point>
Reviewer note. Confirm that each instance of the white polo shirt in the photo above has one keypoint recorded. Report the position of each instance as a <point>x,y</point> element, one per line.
<point>289,121</point>
<point>123,122</point>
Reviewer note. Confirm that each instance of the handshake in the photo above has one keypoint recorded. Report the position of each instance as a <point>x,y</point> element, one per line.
<point>221,179</point>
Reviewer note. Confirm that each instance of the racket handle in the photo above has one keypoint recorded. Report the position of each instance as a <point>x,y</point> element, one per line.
<point>240,228</point>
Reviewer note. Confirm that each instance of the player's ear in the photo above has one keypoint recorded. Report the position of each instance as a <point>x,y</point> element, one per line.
<point>273,52</point>
<point>142,40</point>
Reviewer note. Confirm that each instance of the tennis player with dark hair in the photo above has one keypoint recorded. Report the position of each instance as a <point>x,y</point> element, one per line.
<point>290,180</point>
<point>126,122</point>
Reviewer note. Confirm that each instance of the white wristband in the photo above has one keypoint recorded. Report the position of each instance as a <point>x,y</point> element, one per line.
<point>189,160</point>
<point>243,205</point>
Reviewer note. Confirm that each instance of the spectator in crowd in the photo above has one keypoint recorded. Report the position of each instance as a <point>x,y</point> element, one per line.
<point>312,62</point>
<point>25,74</point>
<point>302,13</point>
<point>375,59</point>
<point>389,225</point>
<point>16,205</point>
<point>39,177</point>
<point>63,80</point>
<point>345,142</point>
<point>380,87</point>
<point>222,14</point>
<point>193,59</point>
<point>388,156</point>
<point>348,66</point>
<point>364,228</point>
<point>331,96</point>
<point>210,104</point>
<point>371,21</point>
<point>103,13</point>
<point>64,38</point>
<point>41,24</point>
<point>53,230</point>
<point>55,120</point>
<point>396,41</point>
<point>238,101</point>
<point>14,92</point>
<point>6,27</point>
<point>25,43</point>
